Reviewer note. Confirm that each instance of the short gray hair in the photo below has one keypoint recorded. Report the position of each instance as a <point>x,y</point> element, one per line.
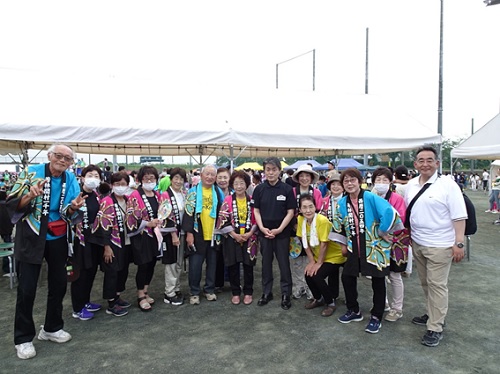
<point>52,148</point>
<point>208,167</point>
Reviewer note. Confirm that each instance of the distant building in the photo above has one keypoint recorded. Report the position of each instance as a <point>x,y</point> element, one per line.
<point>151,159</point>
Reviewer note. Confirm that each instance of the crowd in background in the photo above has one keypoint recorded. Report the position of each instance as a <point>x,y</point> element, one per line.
<point>318,227</point>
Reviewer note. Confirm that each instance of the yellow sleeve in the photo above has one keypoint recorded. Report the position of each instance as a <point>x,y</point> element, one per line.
<point>323,228</point>
<point>300,221</point>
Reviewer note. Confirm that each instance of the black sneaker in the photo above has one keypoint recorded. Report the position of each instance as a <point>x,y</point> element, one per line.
<point>174,300</point>
<point>421,321</point>
<point>117,311</point>
<point>122,303</point>
<point>180,295</point>
<point>432,338</point>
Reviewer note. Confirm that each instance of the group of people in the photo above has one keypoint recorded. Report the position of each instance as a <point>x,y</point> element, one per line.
<point>217,223</point>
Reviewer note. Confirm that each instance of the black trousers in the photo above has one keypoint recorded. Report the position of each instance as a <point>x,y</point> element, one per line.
<point>234,279</point>
<point>115,274</point>
<point>219,269</point>
<point>56,254</point>
<point>334,280</point>
<point>279,248</point>
<point>351,294</point>
<point>317,283</point>
<point>144,274</point>
<point>82,286</point>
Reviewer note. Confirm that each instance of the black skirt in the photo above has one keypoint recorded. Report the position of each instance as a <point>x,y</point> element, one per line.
<point>144,248</point>
<point>235,253</point>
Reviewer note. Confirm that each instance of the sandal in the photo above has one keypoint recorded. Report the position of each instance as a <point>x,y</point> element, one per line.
<point>151,301</point>
<point>144,306</point>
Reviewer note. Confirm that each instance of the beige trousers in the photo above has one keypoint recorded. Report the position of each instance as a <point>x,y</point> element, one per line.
<point>433,267</point>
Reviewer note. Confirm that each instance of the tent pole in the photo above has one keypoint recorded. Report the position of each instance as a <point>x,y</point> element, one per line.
<point>231,158</point>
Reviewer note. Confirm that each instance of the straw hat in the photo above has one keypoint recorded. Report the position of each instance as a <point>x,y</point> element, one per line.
<point>305,168</point>
<point>333,178</point>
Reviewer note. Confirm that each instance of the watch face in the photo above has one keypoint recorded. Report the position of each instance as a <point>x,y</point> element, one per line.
<point>460,245</point>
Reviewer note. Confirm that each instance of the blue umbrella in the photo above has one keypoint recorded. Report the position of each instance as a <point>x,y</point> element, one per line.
<point>296,164</point>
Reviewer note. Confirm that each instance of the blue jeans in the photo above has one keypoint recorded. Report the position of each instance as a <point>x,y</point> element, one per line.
<point>196,267</point>
<point>494,199</point>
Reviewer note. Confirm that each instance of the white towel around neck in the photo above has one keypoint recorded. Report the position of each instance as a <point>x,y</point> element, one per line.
<point>313,235</point>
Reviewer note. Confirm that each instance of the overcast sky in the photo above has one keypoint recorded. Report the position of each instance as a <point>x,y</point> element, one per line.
<point>235,45</point>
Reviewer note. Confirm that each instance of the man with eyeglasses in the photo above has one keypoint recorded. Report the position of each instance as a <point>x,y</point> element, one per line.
<point>44,203</point>
<point>436,219</point>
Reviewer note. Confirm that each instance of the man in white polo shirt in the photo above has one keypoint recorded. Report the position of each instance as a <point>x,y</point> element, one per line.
<point>437,222</point>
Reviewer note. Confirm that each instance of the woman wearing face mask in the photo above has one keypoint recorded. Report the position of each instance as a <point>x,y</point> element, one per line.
<point>382,178</point>
<point>144,226</point>
<point>111,220</point>
<point>88,247</point>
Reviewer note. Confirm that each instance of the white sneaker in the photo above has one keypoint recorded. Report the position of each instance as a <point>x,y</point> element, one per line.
<point>194,300</point>
<point>393,315</point>
<point>487,211</point>
<point>25,350</point>
<point>298,293</point>
<point>60,336</point>
<point>211,296</point>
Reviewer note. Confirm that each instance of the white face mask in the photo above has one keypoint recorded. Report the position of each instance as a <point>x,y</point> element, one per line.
<point>120,190</point>
<point>149,186</point>
<point>92,183</point>
<point>381,188</point>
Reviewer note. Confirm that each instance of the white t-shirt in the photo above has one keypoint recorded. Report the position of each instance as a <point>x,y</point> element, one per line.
<point>432,216</point>
<point>486,175</point>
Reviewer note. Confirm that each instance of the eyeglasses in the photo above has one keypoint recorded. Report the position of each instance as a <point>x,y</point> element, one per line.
<point>60,156</point>
<point>149,179</point>
<point>350,180</point>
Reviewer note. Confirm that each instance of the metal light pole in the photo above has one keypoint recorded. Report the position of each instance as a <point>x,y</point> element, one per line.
<point>365,156</point>
<point>366,63</point>
<point>440,98</point>
<point>472,133</point>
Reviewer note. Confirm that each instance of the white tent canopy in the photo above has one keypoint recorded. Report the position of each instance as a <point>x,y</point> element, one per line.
<point>484,144</point>
<point>145,118</point>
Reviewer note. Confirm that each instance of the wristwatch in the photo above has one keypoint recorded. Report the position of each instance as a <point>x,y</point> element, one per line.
<point>459,245</point>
